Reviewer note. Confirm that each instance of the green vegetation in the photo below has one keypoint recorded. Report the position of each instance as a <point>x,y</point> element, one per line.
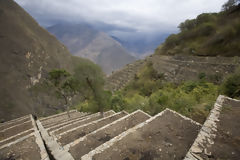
<point>83,87</point>
<point>64,84</point>
<point>150,92</point>
<point>92,82</point>
<point>230,4</point>
<point>231,85</point>
<point>210,34</point>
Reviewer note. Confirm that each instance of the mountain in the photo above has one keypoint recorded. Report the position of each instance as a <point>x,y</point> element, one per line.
<point>85,41</point>
<point>28,53</point>
<point>207,46</point>
<point>210,34</point>
<point>188,71</point>
<point>138,43</point>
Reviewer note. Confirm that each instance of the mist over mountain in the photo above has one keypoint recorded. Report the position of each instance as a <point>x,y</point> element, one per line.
<point>141,45</point>
<point>83,40</point>
<point>140,26</point>
<point>138,44</point>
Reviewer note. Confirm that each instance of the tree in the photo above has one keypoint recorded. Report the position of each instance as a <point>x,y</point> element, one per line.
<point>230,4</point>
<point>187,25</point>
<point>64,84</point>
<point>91,78</point>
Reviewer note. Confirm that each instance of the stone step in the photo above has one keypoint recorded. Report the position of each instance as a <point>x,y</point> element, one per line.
<point>219,137</point>
<point>88,119</point>
<point>26,149</point>
<point>168,135</point>
<point>53,125</point>
<point>85,144</point>
<point>57,152</point>
<point>11,131</point>
<point>14,122</point>
<point>59,118</point>
<point>66,122</point>
<point>55,115</point>
<point>16,136</point>
<point>80,131</point>
<point>27,146</point>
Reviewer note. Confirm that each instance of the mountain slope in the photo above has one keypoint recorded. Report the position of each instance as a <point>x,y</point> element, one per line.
<point>210,34</point>
<point>28,53</point>
<point>84,41</point>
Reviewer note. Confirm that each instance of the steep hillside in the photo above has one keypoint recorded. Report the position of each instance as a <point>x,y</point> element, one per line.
<point>84,41</point>
<point>28,53</point>
<point>176,69</point>
<point>210,34</point>
<point>181,78</point>
<point>206,46</point>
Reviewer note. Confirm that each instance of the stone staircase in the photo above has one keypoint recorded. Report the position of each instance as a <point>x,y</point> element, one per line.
<point>123,136</point>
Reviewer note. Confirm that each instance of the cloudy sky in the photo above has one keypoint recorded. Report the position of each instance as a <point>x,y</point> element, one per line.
<point>139,15</point>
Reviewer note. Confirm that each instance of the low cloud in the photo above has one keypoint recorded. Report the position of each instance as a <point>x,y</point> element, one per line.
<point>138,15</point>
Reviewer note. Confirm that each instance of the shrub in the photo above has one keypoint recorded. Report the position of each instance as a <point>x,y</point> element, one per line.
<point>118,103</point>
<point>187,25</point>
<point>136,102</point>
<point>205,17</point>
<point>171,41</point>
<point>202,75</point>
<point>216,78</point>
<point>189,86</point>
<point>206,29</point>
<point>231,85</point>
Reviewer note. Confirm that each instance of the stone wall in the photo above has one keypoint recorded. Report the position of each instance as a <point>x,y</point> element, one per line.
<point>177,69</point>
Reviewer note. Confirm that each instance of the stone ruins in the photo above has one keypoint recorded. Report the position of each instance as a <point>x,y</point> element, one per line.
<point>124,136</point>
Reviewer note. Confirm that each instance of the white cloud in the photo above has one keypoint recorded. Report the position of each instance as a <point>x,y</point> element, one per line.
<point>142,15</point>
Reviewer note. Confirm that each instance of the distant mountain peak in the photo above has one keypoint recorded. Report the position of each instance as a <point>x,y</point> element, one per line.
<point>83,40</point>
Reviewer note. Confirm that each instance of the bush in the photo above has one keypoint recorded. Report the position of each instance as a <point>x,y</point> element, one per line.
<point>202,75</point>
<point>216,78</point>
<point>187,25</point>
<point>205,17</point>
<point>189,86</point>
<point>118,103</point>
<point>136,102</point>
<point>171,41</point>
<point>231,85</point>
<point>87,106</point>
<point>206,29</point>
